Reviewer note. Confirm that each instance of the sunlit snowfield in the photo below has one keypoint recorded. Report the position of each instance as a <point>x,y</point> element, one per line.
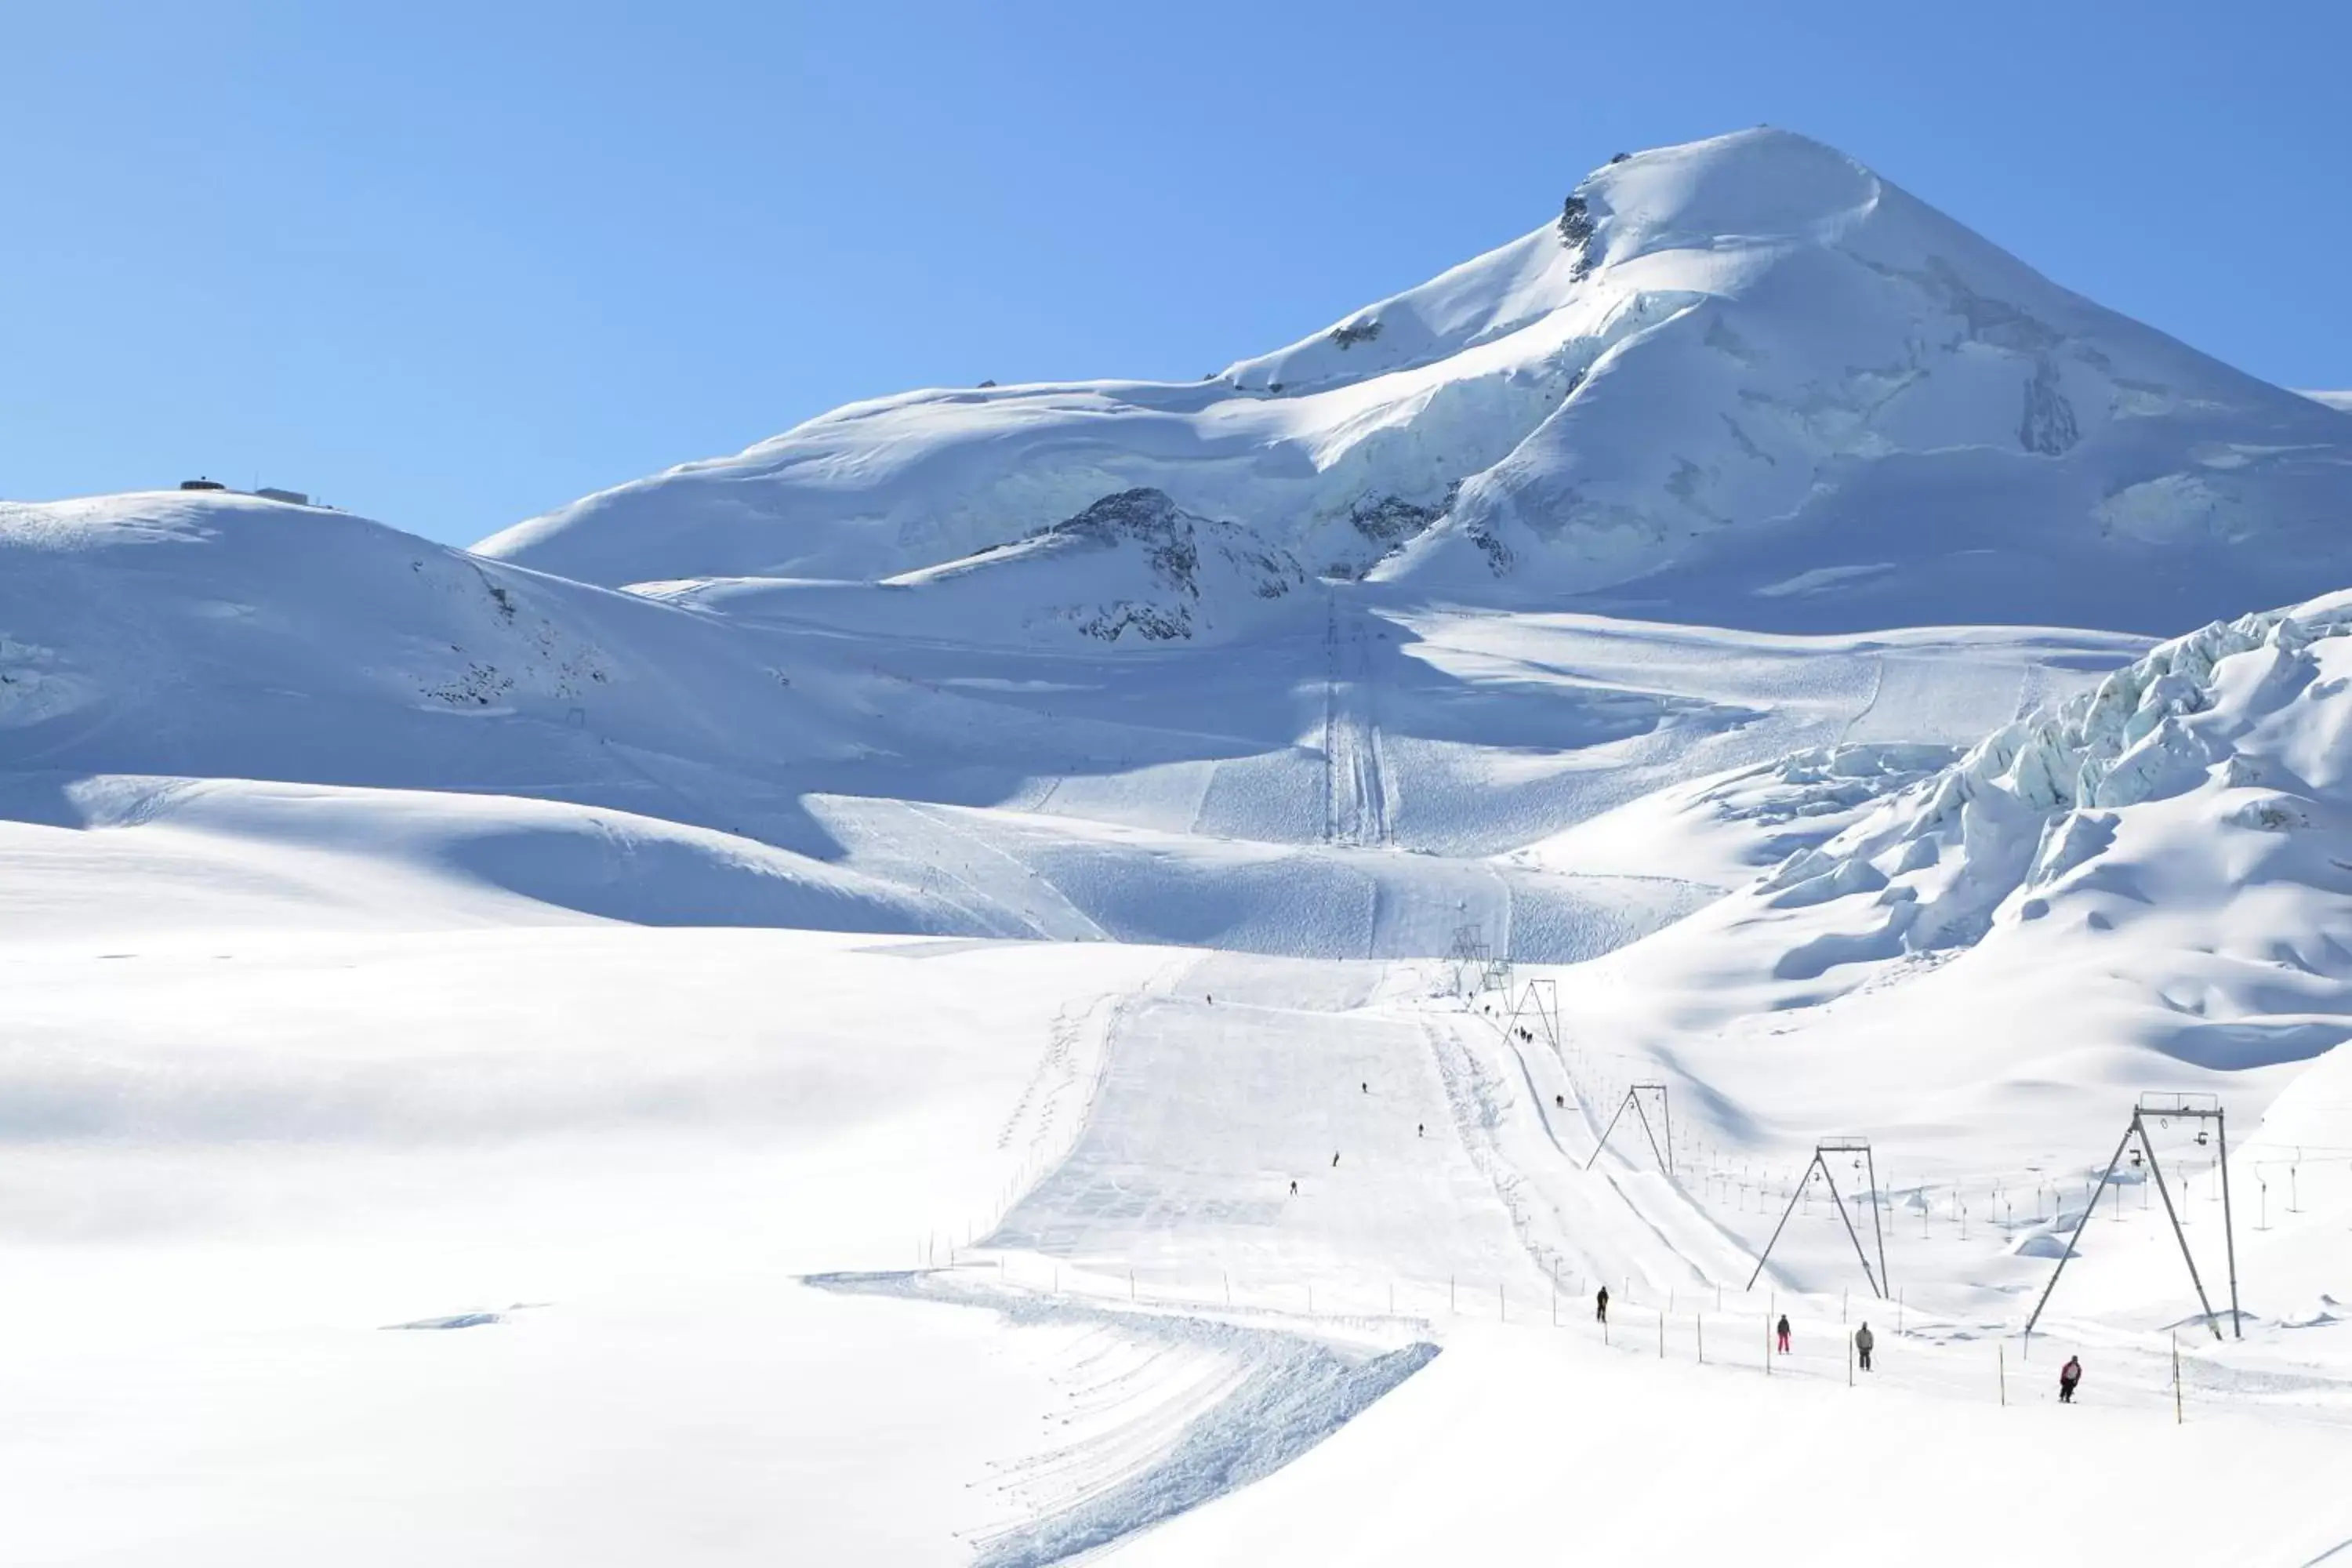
<point>723,1067</point>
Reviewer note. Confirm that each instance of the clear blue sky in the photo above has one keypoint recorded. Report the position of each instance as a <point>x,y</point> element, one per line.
<point>451,265</point>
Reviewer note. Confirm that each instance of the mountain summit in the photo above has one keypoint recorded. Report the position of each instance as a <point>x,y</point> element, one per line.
<point>1744,381</point>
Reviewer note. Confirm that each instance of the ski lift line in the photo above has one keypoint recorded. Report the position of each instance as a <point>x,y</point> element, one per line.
<point>2137,1127</point>
<point>1803,1184</point>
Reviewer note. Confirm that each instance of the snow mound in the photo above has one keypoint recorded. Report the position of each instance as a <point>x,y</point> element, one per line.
<point>1744,381</point>
<point>219,636</point>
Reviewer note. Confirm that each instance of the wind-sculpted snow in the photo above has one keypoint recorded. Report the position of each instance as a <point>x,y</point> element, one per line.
<point>1744,381</point>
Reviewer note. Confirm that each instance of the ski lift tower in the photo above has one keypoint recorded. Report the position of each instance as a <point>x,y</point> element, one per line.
<point>1469,957</point>
<point>2200,1109</point>
<point>1497,975</point>
<point>1858,1151</point>
<point>1634,1101</point>
<point>1541,999</point>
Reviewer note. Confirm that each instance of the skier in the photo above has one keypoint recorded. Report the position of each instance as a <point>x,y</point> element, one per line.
<point>1421,1128</point>
<point>2068,1376</point>
<point>1560,1101</point>
<point>1335,1159</point>
<point>1365,1087</point>
<point>1601,1306</point>
<point>1293,1187</point>
<point>1781,1329</point>
<point>1863,1341</point>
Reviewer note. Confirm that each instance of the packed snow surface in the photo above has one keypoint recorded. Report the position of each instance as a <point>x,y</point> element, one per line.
<point>1105,972</point>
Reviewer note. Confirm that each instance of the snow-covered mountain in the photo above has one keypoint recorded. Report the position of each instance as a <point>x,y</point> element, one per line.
<point>1154,795</point>
<point>1744,381</point>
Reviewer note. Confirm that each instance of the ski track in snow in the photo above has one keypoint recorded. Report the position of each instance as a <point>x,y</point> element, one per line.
<point>1158,1441</point>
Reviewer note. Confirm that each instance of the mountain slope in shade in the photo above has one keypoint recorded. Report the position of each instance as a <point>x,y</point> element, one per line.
<point>1743,381</point>
<point>223,636</point>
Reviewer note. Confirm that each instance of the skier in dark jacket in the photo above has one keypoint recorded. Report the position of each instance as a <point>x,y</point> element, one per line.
<point>1601,1306</point>
<point>2068,1376</point>
<point>1781,1329</point>
<point>1863,1341</point>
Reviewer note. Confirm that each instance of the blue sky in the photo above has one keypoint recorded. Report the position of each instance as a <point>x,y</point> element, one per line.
<point>451,265</point>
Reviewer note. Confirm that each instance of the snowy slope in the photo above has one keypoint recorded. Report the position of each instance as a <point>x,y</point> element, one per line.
<point>1744,381</point>
<point>2340,401</point>
<point>774,754</point>
<point>332,1000</point>
<point>854,1247</point>
<point>1980,965</point>
<point>2220,763</point>
<point>1132,568</point>
<point>223,636</point>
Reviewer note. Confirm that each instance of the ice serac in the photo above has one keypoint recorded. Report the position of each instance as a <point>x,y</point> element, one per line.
<point>2183,823</point>
<point>1744,381</point>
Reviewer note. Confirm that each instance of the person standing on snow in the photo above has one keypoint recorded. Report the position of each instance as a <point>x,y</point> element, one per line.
<point>1335,1159</point>
<point>2068,1376</point>
<point>1601,1306</point>
<point>1863,1341</point>
<point>1782,1330</point>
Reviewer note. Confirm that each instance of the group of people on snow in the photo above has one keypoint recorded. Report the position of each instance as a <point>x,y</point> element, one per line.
<point>2069,1376</point>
